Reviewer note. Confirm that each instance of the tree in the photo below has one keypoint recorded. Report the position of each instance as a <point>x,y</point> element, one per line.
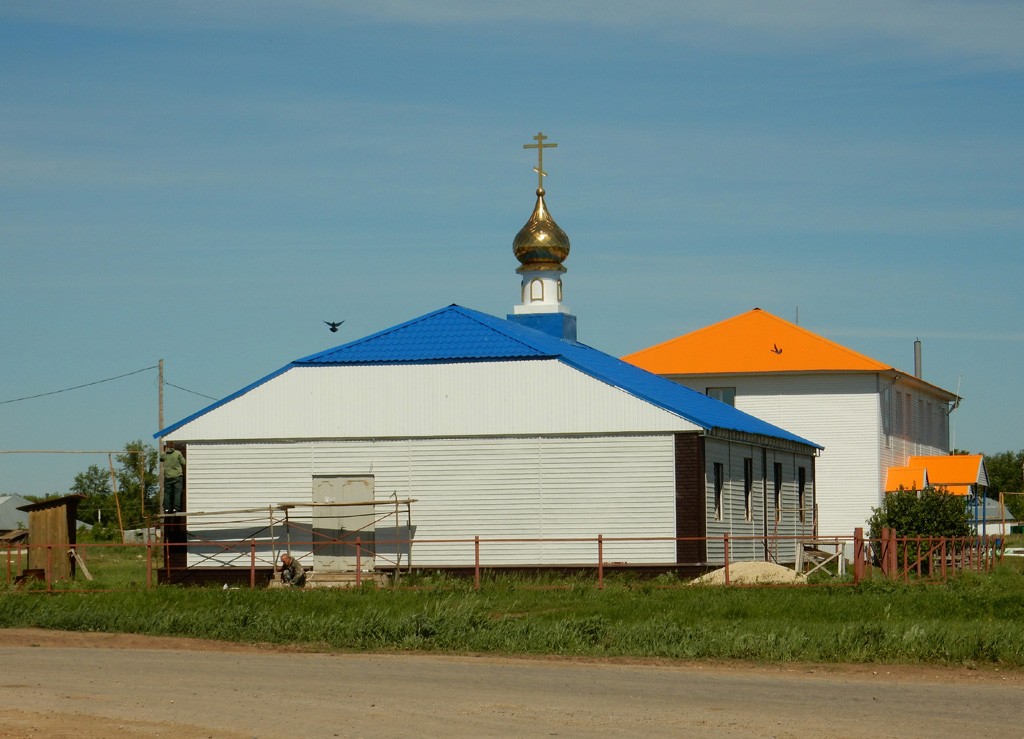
<point>98,507</point>
<point>929,513</point>
<point>1006,475</point>
<point>138,501</point>
<point>134,500</point>
<point>94,484</point>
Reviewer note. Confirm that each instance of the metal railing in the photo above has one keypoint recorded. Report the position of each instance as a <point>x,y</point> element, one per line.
<point>116,566</point>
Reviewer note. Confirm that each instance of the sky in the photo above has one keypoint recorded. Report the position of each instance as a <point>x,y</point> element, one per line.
<point>207,183</point>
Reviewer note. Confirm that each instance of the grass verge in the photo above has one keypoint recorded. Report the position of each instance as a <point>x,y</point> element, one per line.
<point>974,620</point>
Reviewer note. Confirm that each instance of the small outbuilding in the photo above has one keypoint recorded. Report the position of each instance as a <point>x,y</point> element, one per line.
<point>52,536</point>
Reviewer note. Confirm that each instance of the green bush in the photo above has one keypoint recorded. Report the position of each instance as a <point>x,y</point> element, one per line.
<point>929,513</point>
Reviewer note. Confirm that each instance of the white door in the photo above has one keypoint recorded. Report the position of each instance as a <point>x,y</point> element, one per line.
<point>336,527</point>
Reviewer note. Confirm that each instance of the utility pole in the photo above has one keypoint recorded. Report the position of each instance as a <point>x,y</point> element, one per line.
<point>160,425</point>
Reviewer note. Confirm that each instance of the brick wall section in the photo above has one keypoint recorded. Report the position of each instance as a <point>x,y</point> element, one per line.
<point>691,516</point>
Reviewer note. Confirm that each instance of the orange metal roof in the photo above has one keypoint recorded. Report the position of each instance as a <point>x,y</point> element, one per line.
<point>755,341</point>
<point>955,472</point>
<point>907,478</point>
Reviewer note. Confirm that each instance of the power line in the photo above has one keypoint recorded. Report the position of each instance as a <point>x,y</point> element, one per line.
<point>78,387</point>
<point>190,391</point>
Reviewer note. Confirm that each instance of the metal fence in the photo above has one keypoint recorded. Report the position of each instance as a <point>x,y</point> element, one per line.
<point>252,562</point>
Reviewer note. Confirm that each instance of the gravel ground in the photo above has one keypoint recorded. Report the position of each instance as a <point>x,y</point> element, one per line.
<point>58,684</point>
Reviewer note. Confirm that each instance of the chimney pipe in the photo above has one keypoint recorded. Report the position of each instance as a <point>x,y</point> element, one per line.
<point>917,358</point>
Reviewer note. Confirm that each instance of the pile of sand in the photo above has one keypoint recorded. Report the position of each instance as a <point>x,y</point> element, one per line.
<point>752,573</point>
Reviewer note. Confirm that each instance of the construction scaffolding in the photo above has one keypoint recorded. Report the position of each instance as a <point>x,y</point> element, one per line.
<point>273,530</point>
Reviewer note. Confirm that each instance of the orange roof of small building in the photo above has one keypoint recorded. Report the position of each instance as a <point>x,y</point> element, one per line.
<point>755,341</point>
<point>955,472</point>
<point>905,478</point>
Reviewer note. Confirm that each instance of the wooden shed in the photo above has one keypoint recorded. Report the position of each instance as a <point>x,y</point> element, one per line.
<point>52,536</point>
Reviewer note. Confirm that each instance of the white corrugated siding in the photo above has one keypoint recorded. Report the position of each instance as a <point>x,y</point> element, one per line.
<point>734,520</point>
<point>532,487</point>
<point>232,477</point>
<point>838,411</point>
<point>401,401</point>
<point>923,429</point>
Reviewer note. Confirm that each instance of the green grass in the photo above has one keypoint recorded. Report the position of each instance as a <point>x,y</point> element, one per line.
<point>113,567</point>
<point>972,620</point>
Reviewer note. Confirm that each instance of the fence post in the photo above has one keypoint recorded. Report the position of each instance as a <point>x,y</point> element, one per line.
<point>49,567</point>
<point>476,562</point>
<point>892,552</point>
<point>600,561</point>
<point>896,557</point>
<point>858,555</point>
<point>725,544</point>
<point>942,553</point>
<point>359,561</point>
<point>149,565</point>
<point>252,564</point>
<point>883,555</point>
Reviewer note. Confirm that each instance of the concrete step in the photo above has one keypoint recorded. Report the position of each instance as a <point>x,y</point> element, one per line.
<point>342,579</point>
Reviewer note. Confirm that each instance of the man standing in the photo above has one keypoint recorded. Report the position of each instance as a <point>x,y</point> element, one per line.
<point>174,477</point>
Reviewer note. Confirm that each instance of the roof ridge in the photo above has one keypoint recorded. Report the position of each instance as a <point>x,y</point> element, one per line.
<point>827,340</point>
<point>749,316</point>
<point>364,339</point>
<point>505,330</point>
<point>695,332</point>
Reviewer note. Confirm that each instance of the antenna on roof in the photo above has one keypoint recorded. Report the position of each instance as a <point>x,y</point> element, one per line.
<point>798,315</point>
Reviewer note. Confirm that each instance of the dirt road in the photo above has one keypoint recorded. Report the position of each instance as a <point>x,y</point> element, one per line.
<point>93,685</point>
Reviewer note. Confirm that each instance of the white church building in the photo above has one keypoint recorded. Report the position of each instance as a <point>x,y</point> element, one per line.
<point>459,435</point>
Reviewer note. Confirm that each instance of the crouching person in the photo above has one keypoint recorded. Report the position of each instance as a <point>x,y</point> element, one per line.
<point>292,574</point>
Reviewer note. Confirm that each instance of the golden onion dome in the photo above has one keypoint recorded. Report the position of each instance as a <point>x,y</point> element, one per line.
<point>541,244</point>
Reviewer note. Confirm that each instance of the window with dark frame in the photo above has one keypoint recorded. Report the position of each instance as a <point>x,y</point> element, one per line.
<point>748,487</point>
<point>719,481</point>
<point>801,488</point>
<point>724,394</point>
<point>778,491</point>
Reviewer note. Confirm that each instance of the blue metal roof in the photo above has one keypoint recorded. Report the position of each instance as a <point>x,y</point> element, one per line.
<point>450,334</point>
<point>457,334</point>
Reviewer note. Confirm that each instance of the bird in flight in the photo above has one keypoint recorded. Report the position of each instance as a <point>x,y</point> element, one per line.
<point>334,325</point>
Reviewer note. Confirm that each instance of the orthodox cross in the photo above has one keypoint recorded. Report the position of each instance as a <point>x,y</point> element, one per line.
<point>540,146</point>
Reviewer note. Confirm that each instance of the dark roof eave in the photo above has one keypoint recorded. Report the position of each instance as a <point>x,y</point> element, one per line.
<point>764,440</point>
<point>890,372</point>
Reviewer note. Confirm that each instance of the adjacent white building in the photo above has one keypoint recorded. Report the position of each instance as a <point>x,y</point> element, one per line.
<point>869,416</point>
